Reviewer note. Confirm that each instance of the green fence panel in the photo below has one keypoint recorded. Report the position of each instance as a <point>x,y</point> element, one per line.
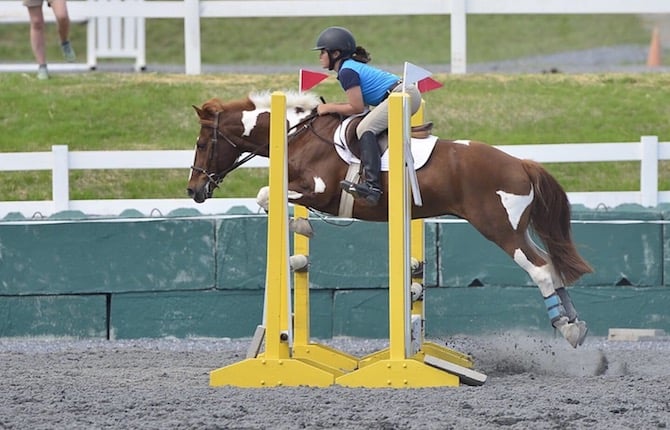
<point>490,310</point>
<point>214,313</point>
<point>622,307</point>
<point>431,254</point>
<point>349,254</point>
<point>241,252</point>
<point>665,214</point>
<point>100,257</point>
<point>361,313</point>
<point>60,316</point>
<point>211,313</point>
<point>467,258</point>
<point>477,310</point>
<point>623,245</point>
<point>343,253</point>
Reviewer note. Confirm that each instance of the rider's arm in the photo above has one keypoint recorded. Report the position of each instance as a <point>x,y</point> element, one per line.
<point>353,106</point>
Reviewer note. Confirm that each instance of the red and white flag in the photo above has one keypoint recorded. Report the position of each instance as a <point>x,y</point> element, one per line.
<point>309,79</point>
<point>428,84</point>
<point>414,74</point>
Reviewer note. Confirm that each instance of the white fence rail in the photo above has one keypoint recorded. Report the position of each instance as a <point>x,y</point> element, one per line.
<point>648,151</point>
<point>458,10</point>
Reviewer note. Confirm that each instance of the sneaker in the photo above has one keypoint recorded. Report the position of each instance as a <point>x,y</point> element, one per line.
<point>42,73</point>
<point>68,52</point>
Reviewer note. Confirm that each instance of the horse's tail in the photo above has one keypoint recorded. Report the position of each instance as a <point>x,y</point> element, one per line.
<point>550,218</point>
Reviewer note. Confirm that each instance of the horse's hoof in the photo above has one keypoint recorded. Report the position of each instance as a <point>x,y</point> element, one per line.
<point>301,226</point>
<point>574,333</point>
<point>583,330</point>
<point>299,263</point>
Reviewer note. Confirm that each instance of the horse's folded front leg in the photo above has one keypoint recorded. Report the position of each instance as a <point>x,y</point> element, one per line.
<point>263,198</point>
<point>301,225</point>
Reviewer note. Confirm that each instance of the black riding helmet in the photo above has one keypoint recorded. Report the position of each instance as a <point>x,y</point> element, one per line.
<point>336,39</point>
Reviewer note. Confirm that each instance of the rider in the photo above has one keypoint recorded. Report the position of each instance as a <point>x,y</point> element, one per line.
<point>364,86</point>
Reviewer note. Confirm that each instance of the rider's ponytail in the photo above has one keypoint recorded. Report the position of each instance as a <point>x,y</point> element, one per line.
<point>361,55</point>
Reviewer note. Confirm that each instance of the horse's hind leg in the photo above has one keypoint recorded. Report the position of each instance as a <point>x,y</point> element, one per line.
<point>560,308</point>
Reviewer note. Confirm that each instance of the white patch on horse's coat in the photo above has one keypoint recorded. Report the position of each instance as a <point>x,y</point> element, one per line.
<point>249,119</point>
<point>540,275</point>
<point>319,185</point>
<point>462,142</point>
<point>515,205</point>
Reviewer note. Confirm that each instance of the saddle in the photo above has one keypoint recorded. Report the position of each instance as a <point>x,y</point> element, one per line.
<point>421,131</point>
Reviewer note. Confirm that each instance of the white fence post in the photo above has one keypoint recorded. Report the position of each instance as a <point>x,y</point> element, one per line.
<point>458,36</point>
<point>60,181</point>
<point>192,36</point>
<point>649,171</point>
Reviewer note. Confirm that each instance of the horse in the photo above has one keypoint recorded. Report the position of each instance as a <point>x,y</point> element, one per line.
<point>503,197</point>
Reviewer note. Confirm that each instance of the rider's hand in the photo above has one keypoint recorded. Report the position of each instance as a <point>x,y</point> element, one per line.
<point>321,109</point>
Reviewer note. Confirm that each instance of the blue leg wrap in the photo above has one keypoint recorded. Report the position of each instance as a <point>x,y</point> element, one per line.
<point>555,309</point>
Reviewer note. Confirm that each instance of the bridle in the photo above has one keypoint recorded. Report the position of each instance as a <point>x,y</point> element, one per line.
<point>215,178</point>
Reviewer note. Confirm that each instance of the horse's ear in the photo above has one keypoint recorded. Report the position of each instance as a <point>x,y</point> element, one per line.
<point>198,110</point>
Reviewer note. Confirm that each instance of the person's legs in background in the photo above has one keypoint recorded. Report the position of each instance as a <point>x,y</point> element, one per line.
<point>37,39</point>
<point>63,20</point>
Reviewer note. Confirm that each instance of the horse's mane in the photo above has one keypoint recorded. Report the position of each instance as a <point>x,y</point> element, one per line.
<point>306,101</point>
<point>262,100</point>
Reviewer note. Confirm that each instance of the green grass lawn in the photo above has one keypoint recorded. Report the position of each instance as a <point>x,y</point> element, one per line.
<point>390,39</point>
<point>100,111</point>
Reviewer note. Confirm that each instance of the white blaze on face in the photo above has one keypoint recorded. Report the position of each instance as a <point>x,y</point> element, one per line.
<point>319,185</point>
<point>462,142</point>
<point>195,150</point>
<point>515,205</point>
<point>540,275</point>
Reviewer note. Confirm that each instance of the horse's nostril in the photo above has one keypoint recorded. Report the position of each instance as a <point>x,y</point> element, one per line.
<point>190,192</point>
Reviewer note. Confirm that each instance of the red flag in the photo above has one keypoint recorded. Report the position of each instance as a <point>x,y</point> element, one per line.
<point>428,84</point>
<point>309,79</point>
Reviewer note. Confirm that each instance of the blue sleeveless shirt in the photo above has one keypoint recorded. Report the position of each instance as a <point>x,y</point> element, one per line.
<point>374,82</point>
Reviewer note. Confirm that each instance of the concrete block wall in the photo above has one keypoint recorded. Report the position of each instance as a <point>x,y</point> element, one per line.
<point>204,276</point>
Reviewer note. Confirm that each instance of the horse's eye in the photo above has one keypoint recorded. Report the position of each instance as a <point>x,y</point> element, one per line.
<point>201,145</point>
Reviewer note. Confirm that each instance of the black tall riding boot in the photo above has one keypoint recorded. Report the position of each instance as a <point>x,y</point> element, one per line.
<point>370,190</point>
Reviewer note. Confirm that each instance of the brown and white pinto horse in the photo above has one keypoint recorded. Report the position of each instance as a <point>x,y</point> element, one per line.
<point>503,197</point>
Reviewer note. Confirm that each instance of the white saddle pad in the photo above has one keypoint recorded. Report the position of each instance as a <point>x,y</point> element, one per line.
<point>421,148</point>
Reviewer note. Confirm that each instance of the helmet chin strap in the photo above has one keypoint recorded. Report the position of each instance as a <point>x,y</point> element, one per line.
<point>332,60</point>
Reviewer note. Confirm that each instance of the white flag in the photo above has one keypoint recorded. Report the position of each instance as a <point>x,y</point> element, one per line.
<point>414,73</point>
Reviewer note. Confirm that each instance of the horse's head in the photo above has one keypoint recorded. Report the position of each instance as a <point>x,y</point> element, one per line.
<point>228,130</point>
<point>218,147</point>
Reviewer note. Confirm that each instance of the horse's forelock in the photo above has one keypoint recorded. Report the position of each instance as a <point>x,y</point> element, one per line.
<point>212,105</point>
<point>216,105</point>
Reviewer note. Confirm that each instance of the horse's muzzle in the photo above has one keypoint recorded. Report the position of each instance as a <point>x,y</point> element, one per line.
<point>199,196</point>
